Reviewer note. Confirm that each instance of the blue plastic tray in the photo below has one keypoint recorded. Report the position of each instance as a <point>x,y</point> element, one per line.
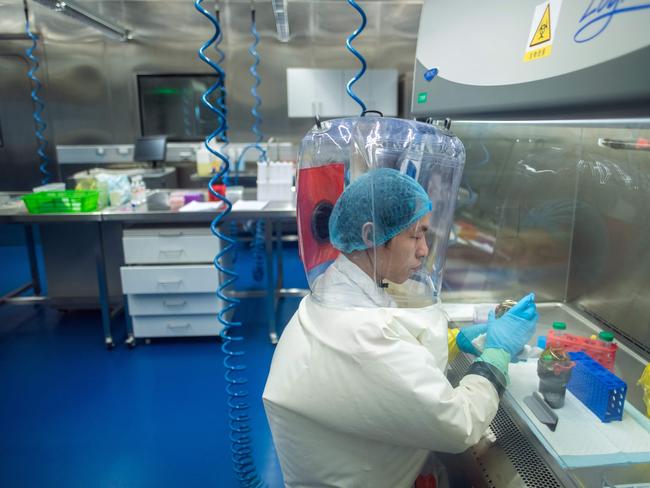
<point>600,390</point>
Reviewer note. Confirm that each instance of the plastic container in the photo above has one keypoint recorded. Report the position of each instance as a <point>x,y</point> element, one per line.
<point>57,186</point>
<point>644,382</point>
<point>207,164</point>
<point>220,188</point>
<point>559,326</point>
<point>235,193</point>
<point>62,201</point>
<point>193,196</point>
<point>275,181</point>
<point>554,369</point>
<point>598,389</point>
<point>138,191</point>
<point>503,307</point>
<point>601,351</point>
<point>176,200</point>
<point>158,200</point>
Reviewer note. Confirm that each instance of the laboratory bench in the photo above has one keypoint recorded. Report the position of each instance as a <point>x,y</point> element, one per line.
<point>582,451</point>
<point>83,255</point>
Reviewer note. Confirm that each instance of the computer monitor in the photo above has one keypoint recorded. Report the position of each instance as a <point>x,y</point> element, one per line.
<point>150,148</point>
<point>171,104</point>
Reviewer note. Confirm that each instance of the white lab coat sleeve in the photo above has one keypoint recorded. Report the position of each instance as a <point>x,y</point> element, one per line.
<point>400,397</point>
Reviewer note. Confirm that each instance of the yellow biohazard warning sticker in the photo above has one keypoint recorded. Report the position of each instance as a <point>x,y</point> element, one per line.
<point>542,30</point>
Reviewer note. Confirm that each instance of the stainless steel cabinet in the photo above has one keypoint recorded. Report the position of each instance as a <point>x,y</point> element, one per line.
<point>322,92</point>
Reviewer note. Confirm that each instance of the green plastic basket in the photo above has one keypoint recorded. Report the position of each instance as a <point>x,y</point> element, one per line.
<point>61,201</point>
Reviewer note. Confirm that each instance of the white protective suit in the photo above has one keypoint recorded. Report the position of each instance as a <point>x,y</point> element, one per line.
<point>357,397</point>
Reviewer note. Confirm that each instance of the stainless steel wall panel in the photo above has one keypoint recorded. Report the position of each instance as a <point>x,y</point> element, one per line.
<point>610,265</point>
<point>56,27</point>
<point>71,264</point>
<point>19,161</point>
<point>515,212</point>
<point>79,95</point>
<point>12,17</point>
<point>93,96</point>
<point>399,20</point>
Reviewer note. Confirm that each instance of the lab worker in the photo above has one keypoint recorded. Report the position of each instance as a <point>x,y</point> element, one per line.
<point>357,394</point>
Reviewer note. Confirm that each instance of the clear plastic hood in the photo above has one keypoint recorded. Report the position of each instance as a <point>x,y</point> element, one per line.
<point>376,198</point>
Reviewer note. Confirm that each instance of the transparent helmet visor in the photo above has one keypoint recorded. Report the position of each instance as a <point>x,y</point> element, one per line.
<point>376,199</point>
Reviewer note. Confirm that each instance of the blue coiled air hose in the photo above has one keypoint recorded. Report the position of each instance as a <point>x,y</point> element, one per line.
<point>239,420</point>
<point>221,99</point>
<point>223,108</point>
<point>39,106</point>
<point>258,243</point>
<point>259,258</point>
<point>358,55</point>
<point>257,80</point>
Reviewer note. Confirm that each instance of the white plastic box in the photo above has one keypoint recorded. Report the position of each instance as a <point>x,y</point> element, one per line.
<point>275,181</point>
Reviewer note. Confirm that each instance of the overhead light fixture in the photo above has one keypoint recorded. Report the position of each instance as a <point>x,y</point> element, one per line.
<point>281,19</point>
<point>89,18</point>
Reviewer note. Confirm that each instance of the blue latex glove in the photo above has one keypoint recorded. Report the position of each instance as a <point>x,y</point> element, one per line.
<point>467,335</point>
<point>514,329</point>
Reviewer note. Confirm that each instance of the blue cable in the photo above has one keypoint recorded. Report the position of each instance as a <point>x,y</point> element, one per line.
<point>348,43</point>
<point>221,99</point>
<point>223,108</point>
<point>39,106</point>
<point>258,243</point>
<point>257,122</point>
<point>259,258</point>
<point>239,420</point>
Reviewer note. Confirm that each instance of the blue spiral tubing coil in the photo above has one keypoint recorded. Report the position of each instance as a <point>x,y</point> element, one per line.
<point>39,106</point>
<point>257,80</point>
<point>223,108</point>
<point>259,258</point>
<point>358,55</point>
<point>258,238</point>
<point>239,420</point>
<point>221,99</point>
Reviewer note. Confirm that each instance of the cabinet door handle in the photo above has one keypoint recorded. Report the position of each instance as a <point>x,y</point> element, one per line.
<point>174,303</point>
<point>179,326</point>
<point>170,282</point>
<point>171,251</point>
<point>170,234</point>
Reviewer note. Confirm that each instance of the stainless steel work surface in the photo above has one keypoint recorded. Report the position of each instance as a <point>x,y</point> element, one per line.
<point>27,218</point>
<point>273,210</point>
<point>518,458</point>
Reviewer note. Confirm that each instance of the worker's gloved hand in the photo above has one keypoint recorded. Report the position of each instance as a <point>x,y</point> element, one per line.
<point>467,335</point>
<point>514,329</point>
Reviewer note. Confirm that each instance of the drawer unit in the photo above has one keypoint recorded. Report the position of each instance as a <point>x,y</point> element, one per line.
<point>174,304</point>
<point>182,245</point>
<point>199,278</point>
<point>170,282</point>
<point>176,326</point>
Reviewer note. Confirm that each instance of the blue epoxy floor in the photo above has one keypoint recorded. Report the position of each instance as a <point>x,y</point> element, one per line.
<point>73,414</point>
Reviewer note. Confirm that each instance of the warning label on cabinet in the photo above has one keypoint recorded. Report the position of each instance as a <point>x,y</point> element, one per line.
<point>542,30</point>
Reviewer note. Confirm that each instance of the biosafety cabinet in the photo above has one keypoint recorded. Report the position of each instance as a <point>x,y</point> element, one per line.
<point>552,102</point>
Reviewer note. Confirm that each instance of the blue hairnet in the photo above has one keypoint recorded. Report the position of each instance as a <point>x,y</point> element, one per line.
<point>385,197</point>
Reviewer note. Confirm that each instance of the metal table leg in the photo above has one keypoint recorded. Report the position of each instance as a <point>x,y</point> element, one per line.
<point>33,260</point>
<point>270,284</point>
<point>103,288</point>
<point>280,279</point>
<point>130,337</point>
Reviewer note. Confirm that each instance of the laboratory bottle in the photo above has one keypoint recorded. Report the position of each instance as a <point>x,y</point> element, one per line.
<point>554,369</point>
